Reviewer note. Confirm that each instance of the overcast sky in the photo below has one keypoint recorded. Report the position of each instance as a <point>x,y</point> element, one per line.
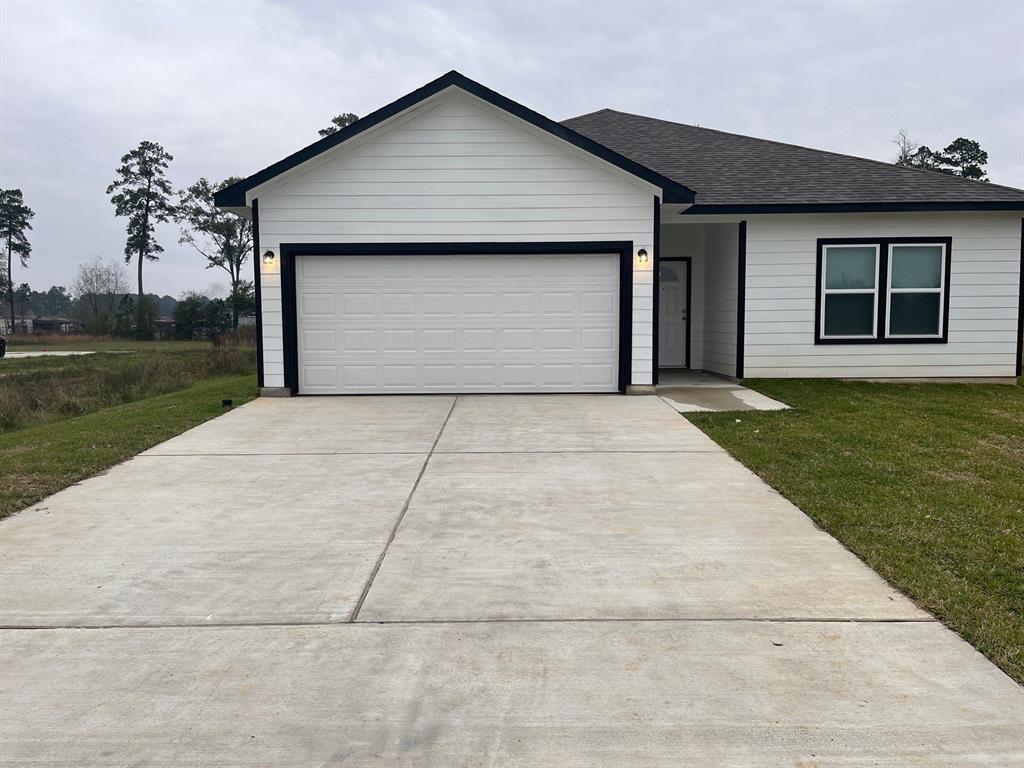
<point>229,87</point>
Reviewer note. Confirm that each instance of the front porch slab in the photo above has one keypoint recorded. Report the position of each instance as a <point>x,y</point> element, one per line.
<point>693,391</point>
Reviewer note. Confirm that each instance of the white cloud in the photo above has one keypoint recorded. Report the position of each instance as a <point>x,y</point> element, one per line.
<point>230,87</point>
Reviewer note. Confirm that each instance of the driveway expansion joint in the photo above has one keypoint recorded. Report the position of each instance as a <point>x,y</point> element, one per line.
<point>444,622</point>
<point>401,516</point>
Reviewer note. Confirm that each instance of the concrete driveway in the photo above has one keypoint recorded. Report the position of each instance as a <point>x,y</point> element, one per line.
<point>425,581</point>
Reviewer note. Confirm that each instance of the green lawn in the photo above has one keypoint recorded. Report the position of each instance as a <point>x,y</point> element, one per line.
<point>925,482</point>
<point>38,461</point>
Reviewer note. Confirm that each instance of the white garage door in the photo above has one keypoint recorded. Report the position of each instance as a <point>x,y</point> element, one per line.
<point>454,323</point>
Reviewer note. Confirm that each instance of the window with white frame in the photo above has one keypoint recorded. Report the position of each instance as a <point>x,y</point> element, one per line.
<point>916,280</point>
<point>893,290</point>
<point>849,301</point>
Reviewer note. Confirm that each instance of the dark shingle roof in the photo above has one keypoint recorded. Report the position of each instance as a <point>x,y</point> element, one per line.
<point>727,169</point>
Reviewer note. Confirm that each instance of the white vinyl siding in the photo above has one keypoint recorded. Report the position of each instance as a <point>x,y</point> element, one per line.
<point>780,300</point>
<point>456,169</point>
<point>721,276</point>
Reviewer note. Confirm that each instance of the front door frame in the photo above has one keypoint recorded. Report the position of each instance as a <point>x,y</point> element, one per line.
<point>689,293</point>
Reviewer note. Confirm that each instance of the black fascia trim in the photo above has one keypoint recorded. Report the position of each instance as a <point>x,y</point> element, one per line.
<point>656,290</point>
<point>883,244</point>
<point>998,205</point>
<point>674,192</point>
<point>289,321</point>
<point>1020,306</point>
<point>257,288</point>
<point>289,251</point>
<point>741,295</point>
<point>688,260</point>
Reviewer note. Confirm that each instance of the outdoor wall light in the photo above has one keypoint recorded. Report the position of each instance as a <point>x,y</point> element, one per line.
<point>268,257</point>
<point>641,255</point>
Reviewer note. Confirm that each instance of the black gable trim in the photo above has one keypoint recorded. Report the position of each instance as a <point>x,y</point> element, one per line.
<point>998,205</point>
<point>234,196</point>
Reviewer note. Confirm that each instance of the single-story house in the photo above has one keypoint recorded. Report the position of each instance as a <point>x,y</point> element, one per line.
<point>22,324</point>
<point>55,324</point>
<point>163,327</point>
<point>457,241</point>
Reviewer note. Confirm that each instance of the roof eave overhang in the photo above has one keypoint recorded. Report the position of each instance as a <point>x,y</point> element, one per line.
<point>901,207</point>
<point>235,196</point>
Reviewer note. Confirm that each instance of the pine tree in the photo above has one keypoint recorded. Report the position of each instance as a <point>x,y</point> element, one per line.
<point>142,192</point>
<point>14,223</point>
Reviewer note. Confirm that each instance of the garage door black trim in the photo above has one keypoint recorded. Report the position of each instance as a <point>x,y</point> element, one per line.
<point>289,319</point>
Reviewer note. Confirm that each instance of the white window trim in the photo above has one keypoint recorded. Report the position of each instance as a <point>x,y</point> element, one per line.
<point>941,291</point>
<point>825,291</point>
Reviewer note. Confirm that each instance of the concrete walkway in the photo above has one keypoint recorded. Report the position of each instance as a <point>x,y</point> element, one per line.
<point>16,355</point>
<point>694,391</point>
<point>420,581</point>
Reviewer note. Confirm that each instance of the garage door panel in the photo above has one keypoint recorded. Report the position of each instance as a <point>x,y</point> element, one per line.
<point>313,270</point>
<point>598,303</point>
<point>318,305</point>
<point>478,323</point>
<point>354,305</point>
<point>437,340</point>
<point>518,339</point>
<point>597,340</point>
<point>323,340</point>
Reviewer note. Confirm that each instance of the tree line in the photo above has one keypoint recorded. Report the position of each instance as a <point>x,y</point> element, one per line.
<point>142,194</point>
<point>98,299</point>
<point>961,157</point>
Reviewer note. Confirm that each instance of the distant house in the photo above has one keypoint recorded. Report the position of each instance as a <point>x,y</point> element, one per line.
<point>55,324</point>
<point>21,325</point>
<point>164,327</point>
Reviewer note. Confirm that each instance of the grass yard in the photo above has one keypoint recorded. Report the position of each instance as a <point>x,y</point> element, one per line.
<point>38,461</point>
<point>63,419</point>
<point>39,390</point>
<point>925,482</point>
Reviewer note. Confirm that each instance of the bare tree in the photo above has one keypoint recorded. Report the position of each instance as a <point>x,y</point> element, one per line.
<point>906,149</point>
<point>99,285</point>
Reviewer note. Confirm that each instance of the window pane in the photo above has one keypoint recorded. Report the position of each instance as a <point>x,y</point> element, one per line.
<point>667,274</point>
<point>914,314</point>
<point>916,266</point>
<point>850,267</point>
<point>849,314</point>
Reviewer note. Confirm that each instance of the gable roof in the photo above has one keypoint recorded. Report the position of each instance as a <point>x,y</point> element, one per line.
<point>673,191</point>
<point>734,173</point>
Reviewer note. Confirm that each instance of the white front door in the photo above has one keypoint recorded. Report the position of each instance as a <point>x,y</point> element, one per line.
<point>672,311</point>
<point>458,323</point>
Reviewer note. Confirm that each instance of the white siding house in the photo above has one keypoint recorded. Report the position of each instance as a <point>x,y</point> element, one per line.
<point>457,241</point>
